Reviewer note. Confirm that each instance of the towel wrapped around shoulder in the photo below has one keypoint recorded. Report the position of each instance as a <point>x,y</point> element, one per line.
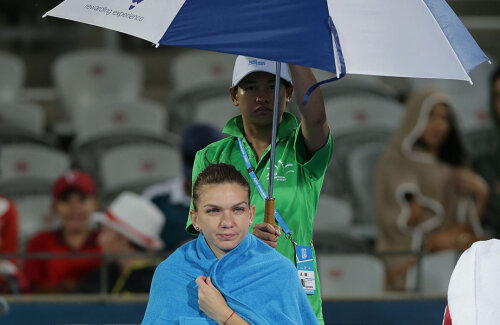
<point>258,283</point>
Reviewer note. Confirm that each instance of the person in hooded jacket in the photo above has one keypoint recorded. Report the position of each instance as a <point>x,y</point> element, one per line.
<point>428,199</point>
<point>489,166</point>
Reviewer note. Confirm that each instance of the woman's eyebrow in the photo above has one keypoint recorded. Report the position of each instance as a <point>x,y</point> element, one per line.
<point>209,205</point>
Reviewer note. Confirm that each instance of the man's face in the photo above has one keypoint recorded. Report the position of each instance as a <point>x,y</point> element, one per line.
<point>75,210</point>
<point>254,95</point>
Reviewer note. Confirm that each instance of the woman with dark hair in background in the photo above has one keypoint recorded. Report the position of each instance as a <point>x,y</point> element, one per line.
<point>427,197</point>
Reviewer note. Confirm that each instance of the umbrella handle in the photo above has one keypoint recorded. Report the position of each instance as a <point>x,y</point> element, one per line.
<point>269,211</point>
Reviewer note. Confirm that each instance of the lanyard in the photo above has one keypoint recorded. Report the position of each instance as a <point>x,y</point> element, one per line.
<point>259,187</point>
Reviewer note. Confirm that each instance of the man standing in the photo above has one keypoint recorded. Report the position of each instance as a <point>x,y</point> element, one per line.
<point>303,152</point>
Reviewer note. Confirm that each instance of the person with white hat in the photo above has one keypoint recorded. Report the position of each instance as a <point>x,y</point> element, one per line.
<point>474,286</point>
<point>303,153</point>
<point>131,225</point>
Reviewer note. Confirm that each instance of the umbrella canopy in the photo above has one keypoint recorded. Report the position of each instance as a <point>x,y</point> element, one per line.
<point>418,38</point>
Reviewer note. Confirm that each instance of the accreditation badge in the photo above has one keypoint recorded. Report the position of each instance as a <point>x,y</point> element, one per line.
<point>305,268</point>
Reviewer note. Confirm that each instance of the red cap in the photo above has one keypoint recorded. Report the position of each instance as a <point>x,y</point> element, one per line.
<point>74,179</point>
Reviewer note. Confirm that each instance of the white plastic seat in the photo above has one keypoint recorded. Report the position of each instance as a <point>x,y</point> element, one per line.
<point>362,165</point>
<point>357,120</point>
<point>332,215</point>
<point>350,275</point>
<point>354,84</point>
<point>105,117</point>
<point>12,75</point>
<point>197,69</point>
<point>197,76</point>
<point>134,167</point>
<point>110,124</point>
<point>352,114</point>
<point>86,77</point>
<point>35,215</point>
<point>32,161</point>
<point>29,168</point>
<point>436,270</point>
<point>22,117</point>
<point>215,111</point>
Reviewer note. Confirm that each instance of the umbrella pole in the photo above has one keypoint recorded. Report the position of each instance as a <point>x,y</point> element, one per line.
<point>269,207</point>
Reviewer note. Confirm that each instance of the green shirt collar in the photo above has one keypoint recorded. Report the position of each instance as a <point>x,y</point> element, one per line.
<point>234,127</point>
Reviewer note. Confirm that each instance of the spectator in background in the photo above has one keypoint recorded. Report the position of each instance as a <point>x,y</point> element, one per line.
<point>11,280</point>
<point>131,225</point>
<point>427,197</point>
<point>489,166</point>
<point>174,196</point>
<point>9,227</point>
<point>74,201</point>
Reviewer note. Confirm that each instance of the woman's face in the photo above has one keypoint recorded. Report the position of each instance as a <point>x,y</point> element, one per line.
<point>223,216</point>
<point>437,128</point>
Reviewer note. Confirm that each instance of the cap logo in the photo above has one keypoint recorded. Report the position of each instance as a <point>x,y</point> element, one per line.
<point>70,177</point>
<point>255,61</point>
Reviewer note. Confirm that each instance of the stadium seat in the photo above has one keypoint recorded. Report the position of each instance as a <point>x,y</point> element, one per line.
<point>350,275</point>
<point>107,125</point>
<point>353,84</point>
<point>355,121</point>
<point>197,69</point>
<point>85,77</point>
<point>435,272</point>
<point>136,166</point>
<point>332,215</point>
<point>12,74</point>
<point>35,215</point>
<point>197,76</point>
<point>21,122</point>
<point>29,168</point>
<point>215,111</point>
<point>362,165</point>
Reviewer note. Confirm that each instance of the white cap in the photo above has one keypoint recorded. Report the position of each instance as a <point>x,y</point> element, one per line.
<point>245,65</point>
<point>136,218</point>
<point>475,285</point>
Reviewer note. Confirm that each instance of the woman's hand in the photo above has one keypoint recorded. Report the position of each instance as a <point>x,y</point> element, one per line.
<point>211,301</point>
<point>471,183</point>
<point>267,233</point>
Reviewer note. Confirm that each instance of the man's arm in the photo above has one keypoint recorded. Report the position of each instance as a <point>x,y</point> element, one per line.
<point>314,123</point>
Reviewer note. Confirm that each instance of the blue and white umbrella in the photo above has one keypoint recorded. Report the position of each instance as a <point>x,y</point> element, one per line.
<point>403,38</point>
<point>410,38</point>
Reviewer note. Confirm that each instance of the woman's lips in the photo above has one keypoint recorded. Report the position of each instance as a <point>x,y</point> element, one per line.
<point>226,236</point>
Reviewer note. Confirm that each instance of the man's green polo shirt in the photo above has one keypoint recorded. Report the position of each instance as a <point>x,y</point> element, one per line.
<point>297,182</point>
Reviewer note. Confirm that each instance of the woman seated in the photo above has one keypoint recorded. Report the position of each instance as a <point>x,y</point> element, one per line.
<point>427,197</point>
<point>226,276</point>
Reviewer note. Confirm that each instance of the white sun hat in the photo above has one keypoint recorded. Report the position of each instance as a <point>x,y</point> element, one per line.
<point>244,65</point>
<point>475,284</point>
<point>136,218</point>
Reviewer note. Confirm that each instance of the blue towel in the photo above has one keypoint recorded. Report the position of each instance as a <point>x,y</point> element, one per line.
<point>258,283</point>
